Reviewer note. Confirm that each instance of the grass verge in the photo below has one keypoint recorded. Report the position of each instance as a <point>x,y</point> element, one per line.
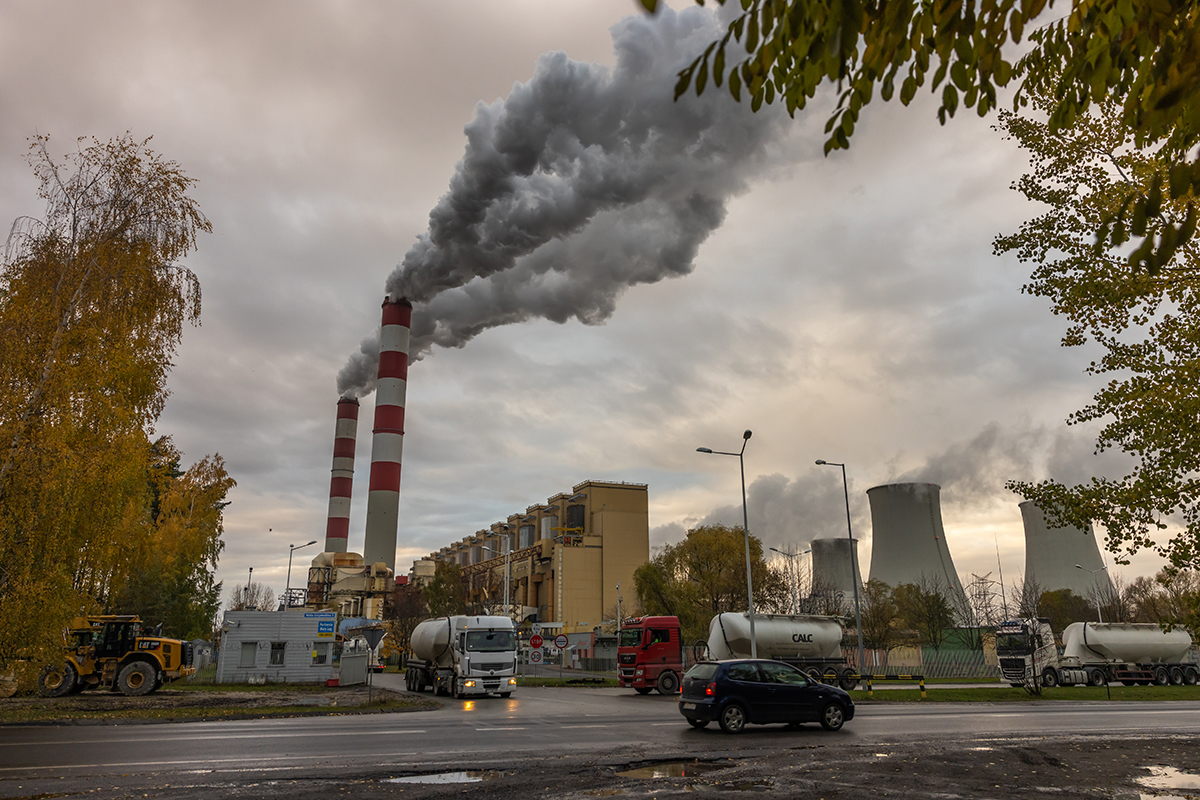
<point>28,715</point>
<point>938,694</point>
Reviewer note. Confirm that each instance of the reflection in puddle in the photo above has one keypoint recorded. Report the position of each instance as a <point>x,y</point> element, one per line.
<point>670,769</point>
<point>1169,778</point>
<point>445,777</point>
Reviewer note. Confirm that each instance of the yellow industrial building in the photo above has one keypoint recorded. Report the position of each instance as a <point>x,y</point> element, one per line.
<point>565,556</point>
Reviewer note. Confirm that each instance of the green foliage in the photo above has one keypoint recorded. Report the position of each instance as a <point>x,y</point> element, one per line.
<point>446,594</point>
<point>1143,57</point>
<point>92,307</point>
<point>401,616</point>
<point>1148,325</point>
<point>705,575</point>
<point>880,616</point>
<point>1062,607</point>
<point>924,609</point>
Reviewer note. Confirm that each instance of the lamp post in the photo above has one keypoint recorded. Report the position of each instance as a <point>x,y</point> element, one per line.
<point>746,529</point>
<point>1093,572</point>
<point>287,592</point>
<point>853,558</point>
<point>795,575</point>
<point>507,573</point>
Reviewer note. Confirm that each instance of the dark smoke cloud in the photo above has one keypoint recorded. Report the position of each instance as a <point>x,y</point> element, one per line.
<point>583,182</point>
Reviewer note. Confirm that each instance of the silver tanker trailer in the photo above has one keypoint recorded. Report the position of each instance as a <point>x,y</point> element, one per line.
<point>812,643</point>
<point>463,656</point>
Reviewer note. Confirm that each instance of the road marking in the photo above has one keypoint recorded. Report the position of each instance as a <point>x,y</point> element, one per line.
<point>660,724</point>
<point>587,726</point>
<point>305,734</point>
<point>500,729</point>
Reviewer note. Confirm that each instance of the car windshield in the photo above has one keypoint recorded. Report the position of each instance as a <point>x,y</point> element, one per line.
<point>1012,642</point>
<point>490,641</point>
<point>630,637</point>
<point>702,672</point>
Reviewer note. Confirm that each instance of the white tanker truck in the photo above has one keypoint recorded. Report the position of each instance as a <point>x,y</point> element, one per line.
<point>463,656</point>
<point>1095,654</point>
<point>809,642</point>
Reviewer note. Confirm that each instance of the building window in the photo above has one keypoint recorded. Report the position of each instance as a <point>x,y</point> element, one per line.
<point>320,653</point>
<point>277,651</point>
<point>249,652</point>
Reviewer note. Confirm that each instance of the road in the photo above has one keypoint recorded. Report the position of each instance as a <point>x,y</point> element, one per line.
<point>534,723</point>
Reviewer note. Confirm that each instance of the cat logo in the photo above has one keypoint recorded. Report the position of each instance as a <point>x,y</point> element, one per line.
<point>802,637</point>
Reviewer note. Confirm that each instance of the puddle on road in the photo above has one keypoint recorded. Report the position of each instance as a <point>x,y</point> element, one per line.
<point>445,777</point>
<point>670,769</point>
<point>1169,778</point>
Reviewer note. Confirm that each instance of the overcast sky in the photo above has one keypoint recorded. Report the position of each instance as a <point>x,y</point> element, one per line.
<point>846,308</point>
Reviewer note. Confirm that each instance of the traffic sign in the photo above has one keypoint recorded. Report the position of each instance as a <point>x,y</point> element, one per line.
<point>535,641</point>
<point>535,656</point>
<point>373,635</point>
<point>560,641</point>
<point>535,629</point>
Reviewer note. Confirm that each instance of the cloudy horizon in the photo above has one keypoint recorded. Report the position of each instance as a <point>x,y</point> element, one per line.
<point>846,307</point>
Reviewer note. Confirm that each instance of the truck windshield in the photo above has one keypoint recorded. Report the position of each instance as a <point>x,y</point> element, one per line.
<point>1012,643</point>
<point>630,637</point>
<point>490,641</point>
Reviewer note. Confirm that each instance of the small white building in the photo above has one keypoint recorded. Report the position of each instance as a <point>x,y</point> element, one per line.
<point>294,646</point>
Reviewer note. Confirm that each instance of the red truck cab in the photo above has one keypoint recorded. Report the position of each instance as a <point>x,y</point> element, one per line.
<point>650,654</point>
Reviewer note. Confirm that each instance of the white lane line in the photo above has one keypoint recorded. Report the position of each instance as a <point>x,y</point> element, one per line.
<point>500,729</point>
<point>661,724</point>
<point>218,737</point>
<point>586,726</point>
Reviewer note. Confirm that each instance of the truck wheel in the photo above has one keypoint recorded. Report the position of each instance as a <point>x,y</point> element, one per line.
<point>1162,677</point>
<point>643,689</point>
<point>454,689</point>
<point>814,674</point>
<point>1049,678</point>
<point>1176,676</point>
<point>832,717</point>
<point>733,718</point>
<point>846,681</point>
<point>668,683</point>
<point>136,679</point>
<point>56,680</point>
<point>503,695</point>
<point>1191,676</point>
<point>1096,678</point>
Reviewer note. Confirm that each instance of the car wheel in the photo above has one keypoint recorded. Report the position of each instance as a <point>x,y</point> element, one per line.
<point>57,680</point>
<point>832,717</point>
<point>1050,678</point>
<point>698,723</point>
<point>136,679</point>
<point>733,718</point>
<point>642,689</point>
<point>668,683</point>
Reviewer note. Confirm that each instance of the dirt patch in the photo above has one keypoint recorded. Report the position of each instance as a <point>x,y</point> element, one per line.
<point>170,703</point>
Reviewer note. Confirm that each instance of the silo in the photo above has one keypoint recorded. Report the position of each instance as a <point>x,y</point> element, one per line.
<point>1052,553</point>
<point>908,544</point>
<point>835,565</point>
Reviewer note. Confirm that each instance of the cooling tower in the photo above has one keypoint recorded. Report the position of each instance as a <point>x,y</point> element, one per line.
<point>1052,553</point>
<point>835,565</point>
<point>908,544</point>
<point>337,528</point>
<point>387,444</point>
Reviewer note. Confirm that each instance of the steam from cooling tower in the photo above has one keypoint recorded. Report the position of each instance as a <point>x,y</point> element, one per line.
<point>583,182</point>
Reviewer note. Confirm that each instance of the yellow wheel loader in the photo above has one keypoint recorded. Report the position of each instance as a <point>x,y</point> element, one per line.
<point>114,652</point>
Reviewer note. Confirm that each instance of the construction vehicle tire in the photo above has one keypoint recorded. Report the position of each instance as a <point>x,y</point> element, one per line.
<point>137,679</point>
<point>56,680</point>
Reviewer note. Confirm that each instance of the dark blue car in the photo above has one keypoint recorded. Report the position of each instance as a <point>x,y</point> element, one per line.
<point>737,693</point>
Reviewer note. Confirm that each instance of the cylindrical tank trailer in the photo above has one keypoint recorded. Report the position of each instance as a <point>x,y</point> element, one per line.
<point>463,656</point>
<point>809,642</point>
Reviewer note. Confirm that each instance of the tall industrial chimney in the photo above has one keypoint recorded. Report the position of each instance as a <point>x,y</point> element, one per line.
<point>1052,553</point>
<point>908,543</point>
<point>387,444</point>
<point>337,529</point>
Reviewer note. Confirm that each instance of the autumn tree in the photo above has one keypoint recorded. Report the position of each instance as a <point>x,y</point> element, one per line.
<point>1146,325</point>
<point>705,575</point>
<point>880,616</point>
<point>923,607</point>
<point>93,301</point>
<point>1062,607</point>
<point>252,596</point>
<point>1142,58</point>
<point>401,617</point>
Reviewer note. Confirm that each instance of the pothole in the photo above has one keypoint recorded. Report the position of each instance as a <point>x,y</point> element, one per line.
<point>671,769</point>
<point>445,777</point>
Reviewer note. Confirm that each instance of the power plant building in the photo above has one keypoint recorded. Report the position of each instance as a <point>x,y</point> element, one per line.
<point>1051,556</point>
<point>908,543</point>
<point>835,565</point>
<point>567,556</point>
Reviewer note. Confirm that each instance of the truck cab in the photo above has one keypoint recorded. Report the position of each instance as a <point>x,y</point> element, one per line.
<point>1025,649</point>
<point>650,654</point>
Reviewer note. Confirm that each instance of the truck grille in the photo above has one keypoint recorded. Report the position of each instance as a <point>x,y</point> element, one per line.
<point>491,665</point>
<point>628,658</point>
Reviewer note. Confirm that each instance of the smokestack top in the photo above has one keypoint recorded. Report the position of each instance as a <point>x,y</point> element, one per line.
<point>399,301</point>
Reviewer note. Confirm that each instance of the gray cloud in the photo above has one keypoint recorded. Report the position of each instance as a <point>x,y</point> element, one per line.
<point>583,182</point>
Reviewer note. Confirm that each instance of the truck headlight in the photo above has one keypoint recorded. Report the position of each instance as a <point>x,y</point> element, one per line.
<point>469,684</point>
<point>512,681</point>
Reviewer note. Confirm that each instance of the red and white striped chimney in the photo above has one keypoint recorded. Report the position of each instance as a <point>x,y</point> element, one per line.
<point>387,444</point>
<point>337,529</point>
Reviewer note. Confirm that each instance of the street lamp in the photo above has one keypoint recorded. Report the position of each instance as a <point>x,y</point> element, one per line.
<point>1093,572</point>
<point>287,592</point>
<point>507,571</point>
<point>853,558</point>
<point>795,575</point>
<point>746,528</point>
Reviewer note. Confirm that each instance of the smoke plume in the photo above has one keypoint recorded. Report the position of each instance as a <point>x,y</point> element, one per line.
<point>583,182</point>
